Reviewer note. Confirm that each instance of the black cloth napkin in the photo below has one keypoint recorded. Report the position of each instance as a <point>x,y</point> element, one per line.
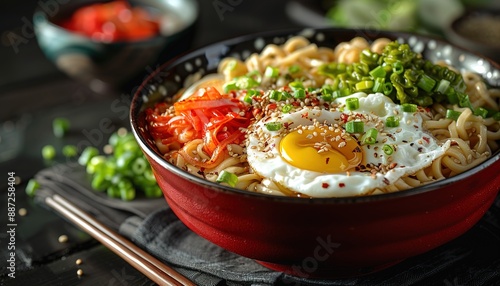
<point>471,259</point>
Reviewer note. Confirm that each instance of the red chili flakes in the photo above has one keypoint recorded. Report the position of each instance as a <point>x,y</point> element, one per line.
<point>344,117</point>
<point>327,160</point>
<point>272,106</point>
<point>305,115</point>
<point>427,139</point>
<point>325,185</point>
<point>341,185</point>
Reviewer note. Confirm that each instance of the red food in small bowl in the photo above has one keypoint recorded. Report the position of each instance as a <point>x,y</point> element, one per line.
<point>317,237</point>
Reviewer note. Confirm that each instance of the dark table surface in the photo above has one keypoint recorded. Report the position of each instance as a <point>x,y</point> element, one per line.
<point>32,93</point>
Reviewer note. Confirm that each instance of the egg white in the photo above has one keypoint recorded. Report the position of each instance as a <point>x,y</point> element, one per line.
<point>412,151</point>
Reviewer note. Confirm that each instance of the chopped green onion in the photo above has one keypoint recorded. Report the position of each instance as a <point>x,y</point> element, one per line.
<point>294,85</point>
<point>275,95</point>
<point>127,194</point>
<point>250,94</point>
<point>229,86</point>
<point>286,108</point>
<point>153,191</point>
<point>285,95</point>
<point>363,85</point>
<point>69,151</point>
<point>139,166</point>
<point>228,178</point>
<point>452,114</point>
<point>496,116</point>
<point>409,107</point>
<point>60,126</point>
<point>392,121</point>
<point>398,68</point>
<point>48,152</point>
<point>299,93</point>
<point>96,164</point>
<point>355,127</point>
<point>99,182</point>
<point>388,150</point>
<point>378,72</point>
<point>378,86</point>
<point>480,111</point>
<point>452,96</point>
<point>246,82</point>
<point>273,126</point>
<point>31,188</point>
<point>271,72</point>
<point>387,88</point>
<point>370,136</point>
<point>294,69</point>
<point>426,83</point>
<point>442,86</point>
<point>352,103</point>
<point>87,154</point>
<point>464,100</point>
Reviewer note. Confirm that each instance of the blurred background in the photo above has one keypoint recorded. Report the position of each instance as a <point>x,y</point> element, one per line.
<point>22,60</point>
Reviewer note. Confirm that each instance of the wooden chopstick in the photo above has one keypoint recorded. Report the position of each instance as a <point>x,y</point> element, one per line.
<point>135,256</point>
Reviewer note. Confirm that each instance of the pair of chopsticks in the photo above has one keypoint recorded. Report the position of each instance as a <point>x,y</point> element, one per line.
<point>135,256</point>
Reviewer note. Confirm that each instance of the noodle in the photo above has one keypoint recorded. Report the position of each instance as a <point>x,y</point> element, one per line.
<point>473,138</point>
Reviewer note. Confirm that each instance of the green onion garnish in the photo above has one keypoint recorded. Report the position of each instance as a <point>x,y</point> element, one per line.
<point>398,68</point>
<point>370,136</point>
<point>299,93</point>
<point>352,103</point>
<point>294,69</point>
<point>87,154</point>
<point>273,126</point>
<point>392,121</point>
<point>229,86</point>
<point>271,72</point>
<point>409,107</point>
<point>388,150</point>
<point>452,114</point>
<point>378,72</point>
<point>480,111</point>
<point>387,88</point>
<point>294,85</point>
<point>426,83</point>
<point>228,178</point>
<point>442,86</point>
<point>286,108</point>
<point>69,151</point>
<point>355,127</point>
<point>275,95</point>
<point>496,116</point>
<point>363,85</point>
<point>378,86</point>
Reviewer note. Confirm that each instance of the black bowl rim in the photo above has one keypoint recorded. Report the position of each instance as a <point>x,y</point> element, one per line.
<point>135,109</point>
<point>40,15</point>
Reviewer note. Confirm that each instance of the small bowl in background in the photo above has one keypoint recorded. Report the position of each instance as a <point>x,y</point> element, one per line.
<point>111,65</point>
<point>477,30</point>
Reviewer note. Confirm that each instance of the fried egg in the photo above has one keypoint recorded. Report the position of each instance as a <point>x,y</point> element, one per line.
<point>308,151</point>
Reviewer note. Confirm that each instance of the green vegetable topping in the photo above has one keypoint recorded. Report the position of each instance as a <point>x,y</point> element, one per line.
<point>32,187</point>
<point>228,178</point>
<point>400,74</point>
<point>408,107</point>
<point>273,126</point>
<point>352,103</point>
<point>452,114</point>
<point>355,127</point>
<point>392,121</point>
<point>370,137</point>
<point>388,150</point>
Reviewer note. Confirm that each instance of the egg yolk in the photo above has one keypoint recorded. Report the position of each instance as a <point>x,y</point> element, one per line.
<point>320,150</point>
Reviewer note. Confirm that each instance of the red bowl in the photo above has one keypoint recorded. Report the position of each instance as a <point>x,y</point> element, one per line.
<point>334,237</point>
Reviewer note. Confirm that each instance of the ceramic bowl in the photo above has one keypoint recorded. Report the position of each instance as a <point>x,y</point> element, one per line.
<point>319,237</point>
<point>477,30</point>
<point>112,64</point>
